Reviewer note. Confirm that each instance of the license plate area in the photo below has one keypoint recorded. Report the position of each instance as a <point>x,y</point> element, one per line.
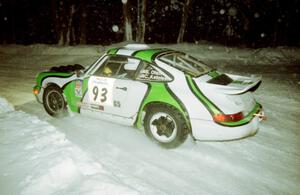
<point>261,115</point>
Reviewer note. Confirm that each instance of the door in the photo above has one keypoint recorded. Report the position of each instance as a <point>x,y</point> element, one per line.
<point>112,93</point>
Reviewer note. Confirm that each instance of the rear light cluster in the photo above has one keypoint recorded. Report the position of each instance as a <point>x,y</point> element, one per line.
<point>35,91</point>
<point>228,117</point>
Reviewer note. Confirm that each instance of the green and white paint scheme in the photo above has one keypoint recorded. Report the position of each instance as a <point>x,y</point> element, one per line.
<point>211,105</point>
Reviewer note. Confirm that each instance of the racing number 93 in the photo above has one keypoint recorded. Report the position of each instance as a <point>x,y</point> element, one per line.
<point>101,90</point>
<point>103,94</point>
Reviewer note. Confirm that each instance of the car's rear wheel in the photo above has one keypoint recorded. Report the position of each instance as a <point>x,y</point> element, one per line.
<point>54,102</point>
<point>165,125</point>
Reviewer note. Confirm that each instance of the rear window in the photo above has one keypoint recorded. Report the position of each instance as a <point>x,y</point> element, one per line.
<point>186,63</point>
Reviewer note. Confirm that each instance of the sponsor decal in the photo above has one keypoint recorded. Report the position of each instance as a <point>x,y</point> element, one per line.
<point>82,105</point>
<point>90,106</point>
<point>117,104</point>
<point>78,88</point>
<point>150,73</point>
<point>97,107</point>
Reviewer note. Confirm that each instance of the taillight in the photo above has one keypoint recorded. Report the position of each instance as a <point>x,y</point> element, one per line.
<point>228,117</point>
<point>35,91</point>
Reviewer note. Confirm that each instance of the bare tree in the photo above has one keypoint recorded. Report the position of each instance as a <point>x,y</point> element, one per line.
<point>141,20</point>
<point>127,20</point>
<point>70,28</point>
<point>64,12</point>
<point>55,22</point>
<point>184,17</point>
<point>82,38</point>
<point>61,20</point>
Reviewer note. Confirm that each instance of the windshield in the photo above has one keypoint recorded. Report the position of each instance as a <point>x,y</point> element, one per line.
<point>94,65</point>
<point>186,63</point>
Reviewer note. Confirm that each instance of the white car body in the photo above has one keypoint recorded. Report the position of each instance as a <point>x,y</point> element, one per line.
<point>201,101</point>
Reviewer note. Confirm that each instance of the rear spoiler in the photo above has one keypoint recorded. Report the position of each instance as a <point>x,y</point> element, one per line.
<point>239,85</point>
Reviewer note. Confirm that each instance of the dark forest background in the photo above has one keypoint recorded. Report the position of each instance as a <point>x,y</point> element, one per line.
<point>249,23</point>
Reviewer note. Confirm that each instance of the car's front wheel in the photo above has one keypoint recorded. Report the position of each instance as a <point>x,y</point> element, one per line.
<point>54,102</point>
<point>166,125</point>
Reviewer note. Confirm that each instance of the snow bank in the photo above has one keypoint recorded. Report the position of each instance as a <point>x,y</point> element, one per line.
<point>207,52</point>
<point>38,159</point>
<point>5,106</point>
<point>41,49</point>
<point>223,55</point>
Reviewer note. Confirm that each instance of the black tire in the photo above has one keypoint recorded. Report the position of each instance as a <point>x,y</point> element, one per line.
<point>54,101</point>
<point>165,125</point>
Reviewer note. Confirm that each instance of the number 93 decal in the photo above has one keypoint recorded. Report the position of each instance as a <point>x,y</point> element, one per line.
<point>101,90</point>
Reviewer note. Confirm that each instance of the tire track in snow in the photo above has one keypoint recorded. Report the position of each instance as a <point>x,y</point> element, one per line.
<point>127,160</point>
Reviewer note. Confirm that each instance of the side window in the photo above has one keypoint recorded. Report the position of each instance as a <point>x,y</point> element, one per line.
<point>118,67</point>
<point>128,69</point>
<point>149,72</point>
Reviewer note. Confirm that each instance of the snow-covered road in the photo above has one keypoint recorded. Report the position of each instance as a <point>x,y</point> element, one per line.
<point>77,155</point>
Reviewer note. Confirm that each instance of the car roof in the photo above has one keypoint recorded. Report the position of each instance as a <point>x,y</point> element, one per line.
<point>141,51</point>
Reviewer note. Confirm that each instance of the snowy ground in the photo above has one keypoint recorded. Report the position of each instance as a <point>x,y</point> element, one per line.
<point>77,155</point>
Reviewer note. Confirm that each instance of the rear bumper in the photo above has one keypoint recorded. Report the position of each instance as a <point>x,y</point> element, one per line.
<point>211,131</point>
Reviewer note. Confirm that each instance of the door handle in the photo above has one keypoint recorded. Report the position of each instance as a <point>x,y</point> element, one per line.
<point>122,88</point>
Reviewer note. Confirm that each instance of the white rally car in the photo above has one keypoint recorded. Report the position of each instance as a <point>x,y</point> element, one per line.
<point>168,93</point>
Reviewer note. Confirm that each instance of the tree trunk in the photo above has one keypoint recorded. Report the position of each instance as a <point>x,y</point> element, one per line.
<point>65,16</point>
<point>55,21</point>
<point>61,22</point>
<point>127,22</point>
<point>141,21</point>
<point>184,17</point>
<point>138,21</point>
<point>82,39</point>
<point>8,23</point>
<point>13,21</point>
<point>70,28</point>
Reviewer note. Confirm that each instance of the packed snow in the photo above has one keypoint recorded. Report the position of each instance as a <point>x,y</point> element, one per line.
<point>78,155</point>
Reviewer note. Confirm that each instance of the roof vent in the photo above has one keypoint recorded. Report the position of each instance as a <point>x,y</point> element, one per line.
<point>136,46</point>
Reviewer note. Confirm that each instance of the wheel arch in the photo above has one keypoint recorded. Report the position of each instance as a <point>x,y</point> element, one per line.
<point>163,108</point>
<point>150,105</point>
<point>51,84</point>
<point>153,104</point>
<point>183,110</point>
<point>55,85</point>
<point>43,88</point>
<point>159,92</point>
<point>49,88</point>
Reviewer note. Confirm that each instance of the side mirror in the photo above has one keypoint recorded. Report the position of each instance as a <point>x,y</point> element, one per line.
<point>79,73</point>
<point>132,64</point>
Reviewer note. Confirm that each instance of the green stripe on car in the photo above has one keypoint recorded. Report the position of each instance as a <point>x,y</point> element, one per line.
<point>245,120</point>
<point>214,110</point>
<point>43,75</point>
<point>149,54</point>
<point>213,73</point>
<point>72,98</point>
<point>112,51</point>
<point>157,93</point>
